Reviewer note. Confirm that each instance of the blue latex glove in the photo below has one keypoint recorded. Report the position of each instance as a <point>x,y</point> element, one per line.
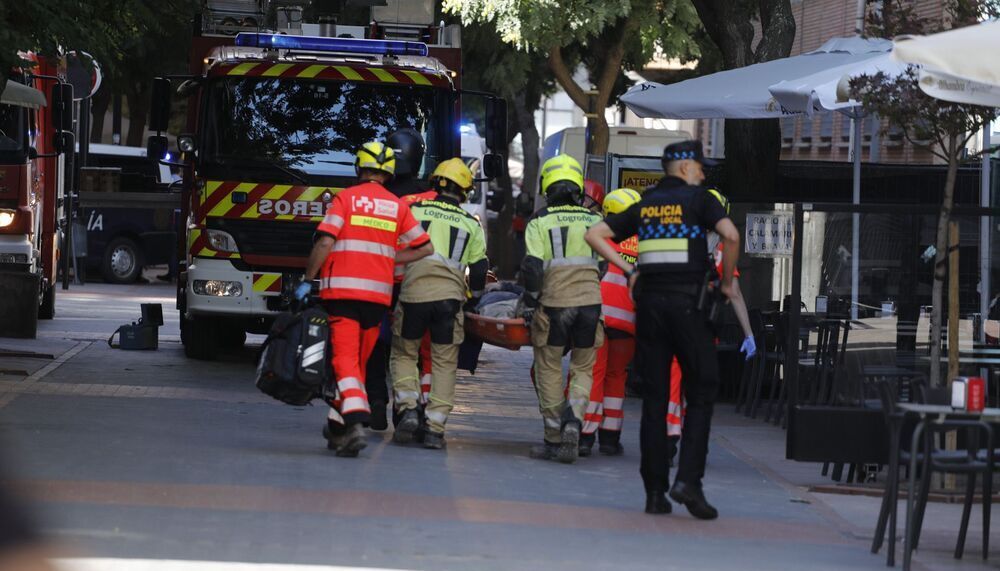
<point>303,290</point>
<point>749,347</point>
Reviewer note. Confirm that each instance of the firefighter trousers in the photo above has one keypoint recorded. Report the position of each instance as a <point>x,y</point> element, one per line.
<point>668,324</point>
<point>353,333</point>
<point>444,321</point>
<point>607,395</point>
<point>553,329</point>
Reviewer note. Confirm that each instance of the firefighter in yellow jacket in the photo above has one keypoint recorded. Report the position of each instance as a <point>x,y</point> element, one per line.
<point>562,301</point>
<point>431,299</point>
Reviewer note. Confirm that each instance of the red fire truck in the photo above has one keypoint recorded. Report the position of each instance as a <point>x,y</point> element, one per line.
<point>275,121</point>
<point>32,181</point>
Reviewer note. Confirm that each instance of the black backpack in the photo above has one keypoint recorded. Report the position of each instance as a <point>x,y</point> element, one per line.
<point>294,365</point>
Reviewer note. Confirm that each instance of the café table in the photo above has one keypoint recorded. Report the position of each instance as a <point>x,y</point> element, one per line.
<point>923,413</point>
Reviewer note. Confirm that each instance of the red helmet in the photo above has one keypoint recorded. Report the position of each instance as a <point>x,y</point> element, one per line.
<point>593,191</point>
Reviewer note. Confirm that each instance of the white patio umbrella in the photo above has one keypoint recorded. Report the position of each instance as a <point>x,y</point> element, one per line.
<point>742,93</point>
<point>826,91</point>
<point>958,65</point>
<point>745,93</point>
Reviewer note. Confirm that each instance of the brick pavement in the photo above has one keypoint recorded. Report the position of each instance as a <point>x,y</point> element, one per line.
<point>148,456</point>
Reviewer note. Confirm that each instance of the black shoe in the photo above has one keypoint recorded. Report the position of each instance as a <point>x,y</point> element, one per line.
<point>408,424</point>
<point>352,442</point>
<point>615,449</point>
<point>694,500</point>
<point>546,451</point>
<point>434,440</point>
<point>610,444</point>
<point>587,444</point>
<point>378,420</point>
<point>569,447</point>
<point>334,434</point>
<point>657,503</point>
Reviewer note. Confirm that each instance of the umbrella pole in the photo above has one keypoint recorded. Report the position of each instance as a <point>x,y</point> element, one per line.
<point>856,217</point>
<point>985,289</point>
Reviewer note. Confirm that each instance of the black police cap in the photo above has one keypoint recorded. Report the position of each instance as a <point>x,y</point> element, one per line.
<point>686,150</point>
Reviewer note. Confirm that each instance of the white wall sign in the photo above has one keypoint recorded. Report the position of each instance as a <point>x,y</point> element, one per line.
<point>769,234</point>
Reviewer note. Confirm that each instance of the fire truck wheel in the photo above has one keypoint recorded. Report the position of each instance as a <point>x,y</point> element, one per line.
<point>122,261</point>
<point>201,340</point>
<point>232,337</point>
<point>47,309</point>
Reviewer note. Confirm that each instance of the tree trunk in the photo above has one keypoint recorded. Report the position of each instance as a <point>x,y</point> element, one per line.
<point>940,261</point>
<point>753,147</point>
<point>138,109</point>
<point>99,109</point>
<point>530,141</point>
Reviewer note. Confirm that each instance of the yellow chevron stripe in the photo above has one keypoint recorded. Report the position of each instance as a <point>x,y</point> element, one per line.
<point>417,77</point>
<point>312,71</point>
<point>277,191</point>
<point>348,73</point>
<point>242,69</point>
<point>383,75</point>
<point>265,281</point>
<point>276,69</point>
<point>226,204</point>
<point>205,252</point>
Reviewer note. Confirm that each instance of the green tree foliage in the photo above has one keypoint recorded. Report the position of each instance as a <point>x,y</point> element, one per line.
<point>608,37</point>
<point>941,127</point>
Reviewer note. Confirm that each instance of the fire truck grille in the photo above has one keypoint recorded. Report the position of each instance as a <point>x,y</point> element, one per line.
<point>268,237</point>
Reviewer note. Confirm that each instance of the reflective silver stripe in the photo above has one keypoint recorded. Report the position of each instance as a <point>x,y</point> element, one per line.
<point>616,279</point>
<point>353,404</point>
<point>334,220</point>
<point>663,258</point>
<point>610,423</point>
<point>459,247</point>
<point>592,407</point>
<point>407,395</point>
<point>313,353</point>
<point>673,429</point>
<point>675,409</point>
<point>590,427</point>
<point>573,261</point>
<point>356,283</point>
<point>551,422</point>
<point>557,244</point>
<point>438,417</point>
<point>413,233</point>
<point>613,403</point>
<point>450,263</point>
<point>348,383</point>
<point>618,313</point>
<point>365,247</point>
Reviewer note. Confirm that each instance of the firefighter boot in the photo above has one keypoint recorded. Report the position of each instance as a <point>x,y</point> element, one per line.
<point>587,444</point>
<point>434,440</point>
<point>694,500</point>
<point>657,503</point>
<point>544,451</point>
<point>352,442</point>
<point>569,445</point>
<point>407,426</point>
<point>610,443</point>
<point>334,434</point>
<point>378,420</point>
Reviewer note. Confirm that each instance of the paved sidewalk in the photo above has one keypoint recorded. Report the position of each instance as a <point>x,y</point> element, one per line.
<point>144,460</point>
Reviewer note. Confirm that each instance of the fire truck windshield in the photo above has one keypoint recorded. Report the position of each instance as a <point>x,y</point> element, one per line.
<point>13,130</point>
<point>314,127</point>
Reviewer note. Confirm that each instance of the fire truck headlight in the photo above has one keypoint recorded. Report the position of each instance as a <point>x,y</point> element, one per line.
<point>217,288</point>
<point>6,217</point>
<point>222,241</point>
<point>185,143</point>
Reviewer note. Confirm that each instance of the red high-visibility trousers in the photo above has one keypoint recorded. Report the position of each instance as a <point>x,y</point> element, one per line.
<point>607,394</point>
<point>352,346</point>
<point>676,406</point>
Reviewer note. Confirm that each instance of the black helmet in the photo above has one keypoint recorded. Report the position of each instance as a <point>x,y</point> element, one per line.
<point>409,148</point>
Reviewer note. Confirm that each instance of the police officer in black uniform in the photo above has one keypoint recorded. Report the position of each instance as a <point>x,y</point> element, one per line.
<point>672,221</point>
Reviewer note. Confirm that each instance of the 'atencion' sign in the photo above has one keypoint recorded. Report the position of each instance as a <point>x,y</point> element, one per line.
<point>769,234</point>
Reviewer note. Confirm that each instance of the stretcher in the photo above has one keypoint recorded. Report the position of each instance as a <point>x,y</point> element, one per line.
<point>507,333</point>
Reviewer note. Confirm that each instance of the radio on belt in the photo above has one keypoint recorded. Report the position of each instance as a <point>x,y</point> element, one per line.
<point>969,394</point>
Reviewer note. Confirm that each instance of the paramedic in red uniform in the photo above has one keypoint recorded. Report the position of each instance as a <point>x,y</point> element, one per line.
<point>366,231</point>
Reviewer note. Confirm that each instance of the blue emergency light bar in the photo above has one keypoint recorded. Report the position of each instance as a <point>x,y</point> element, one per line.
<point>322,44</point>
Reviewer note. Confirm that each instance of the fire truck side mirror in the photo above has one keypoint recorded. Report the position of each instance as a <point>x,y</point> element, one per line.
<point>156,147</point>
<point>62,115</point>
<point>496,125</point>
<point>492,165</point>
<point>159,109</point>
